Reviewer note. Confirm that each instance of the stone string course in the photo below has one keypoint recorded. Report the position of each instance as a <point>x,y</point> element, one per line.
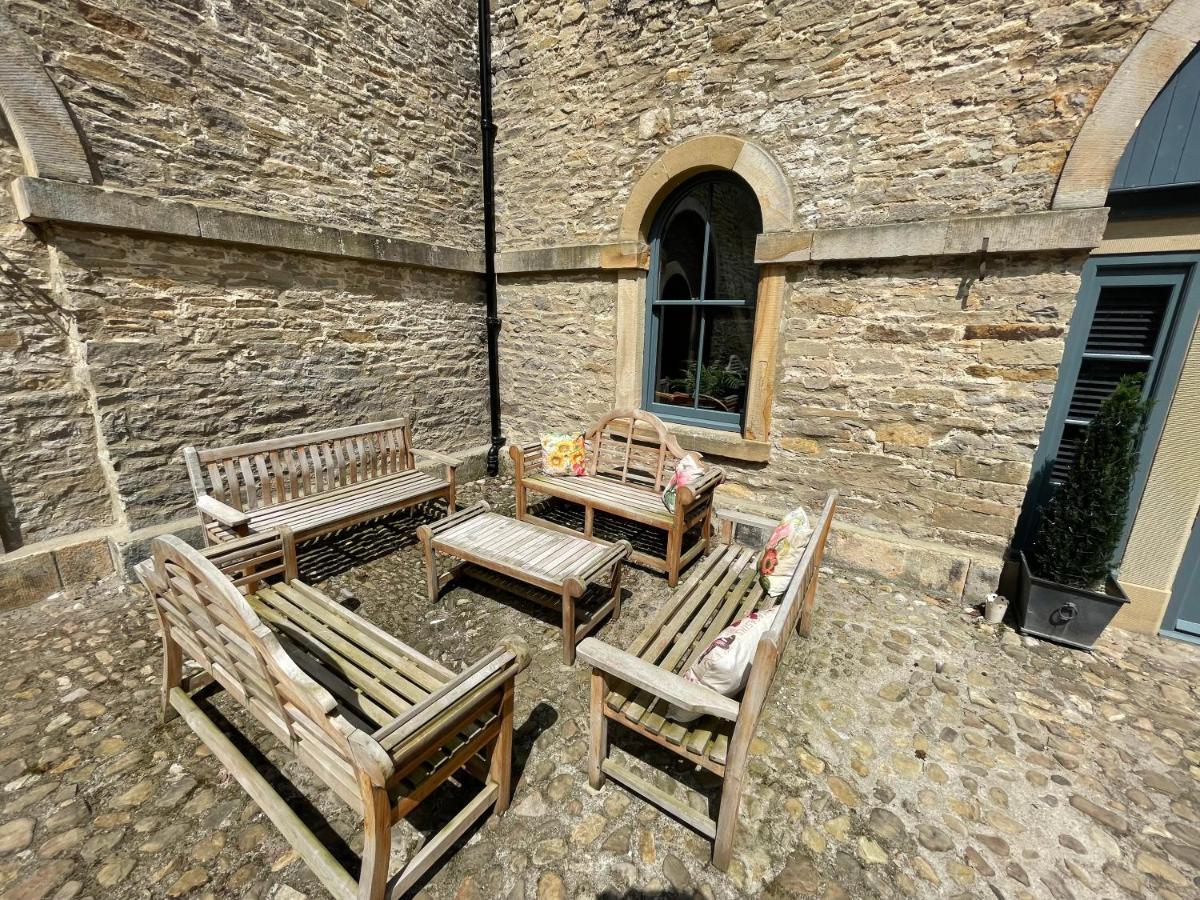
<point>898,112</point>
<point>347,113</point>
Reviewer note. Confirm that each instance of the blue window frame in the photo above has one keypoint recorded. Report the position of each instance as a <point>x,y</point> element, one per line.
<point>700,303</point>
<point>1133,314</point>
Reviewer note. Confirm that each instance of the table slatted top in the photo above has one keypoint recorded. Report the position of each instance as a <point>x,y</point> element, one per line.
<point>520,548</point>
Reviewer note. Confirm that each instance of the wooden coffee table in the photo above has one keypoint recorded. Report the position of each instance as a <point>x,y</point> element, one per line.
<point>515,556</point>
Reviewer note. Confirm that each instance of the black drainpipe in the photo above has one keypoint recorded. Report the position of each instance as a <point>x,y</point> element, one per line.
<point>488,129</point>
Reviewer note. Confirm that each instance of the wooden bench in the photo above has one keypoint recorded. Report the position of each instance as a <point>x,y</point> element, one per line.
<point>563,570</point>
<point>378,723</point>
<point>634,688</point>
<point>630,460</point>
<point>313,483</point>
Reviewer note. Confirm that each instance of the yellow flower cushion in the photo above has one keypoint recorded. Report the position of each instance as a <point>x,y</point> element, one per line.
<point>563,454</point>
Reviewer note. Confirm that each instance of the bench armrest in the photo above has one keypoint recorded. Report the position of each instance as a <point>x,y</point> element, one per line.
<point>524,454</point>
<point>450,462</point>
<point>442,711</point>
<point>223,513</point>
<point>693,698</point>
<point>705,484</point>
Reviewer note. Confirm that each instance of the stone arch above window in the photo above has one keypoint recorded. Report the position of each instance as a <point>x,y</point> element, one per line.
<point>46,135</point>
<point>1097,150</point>
<point>711,153</point>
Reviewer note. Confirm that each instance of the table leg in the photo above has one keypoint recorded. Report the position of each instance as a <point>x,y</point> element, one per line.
<point>568,610</point>
<point>431,577</point>
<point>615,586</point>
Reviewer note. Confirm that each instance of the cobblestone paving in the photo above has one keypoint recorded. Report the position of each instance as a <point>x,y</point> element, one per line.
<point>906,751</point>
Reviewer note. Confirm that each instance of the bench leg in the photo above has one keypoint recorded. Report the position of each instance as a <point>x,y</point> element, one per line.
<point>452,493</point>
<point>522,503</point>
<point>731,796</point>
<point>598,733</point>
<point>589,521</point>
<point>172,674</point>
<point>377,846</point>
<point>568,611</point>
<point>674,551</point>
<point>500,764</point>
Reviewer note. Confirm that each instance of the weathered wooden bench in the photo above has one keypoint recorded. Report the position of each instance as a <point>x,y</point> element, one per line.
<point>378,723</point>
<point>630,460</point>
<point>634,688</point>
<point>314,483</point>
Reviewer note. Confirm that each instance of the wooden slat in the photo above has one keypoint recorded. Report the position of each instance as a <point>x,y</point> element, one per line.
<point>702,823</point>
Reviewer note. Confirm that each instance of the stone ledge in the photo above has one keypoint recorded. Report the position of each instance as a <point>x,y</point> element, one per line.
<point>574,258</point>
<point>35,572</point>
<point>1077,229</point>
<point>45,200</point>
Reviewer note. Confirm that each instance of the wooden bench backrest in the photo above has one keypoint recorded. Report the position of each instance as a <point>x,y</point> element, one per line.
<point>634,447</point>
<point>210,619</point>
<point>267,473</point>
<point>799,589</point>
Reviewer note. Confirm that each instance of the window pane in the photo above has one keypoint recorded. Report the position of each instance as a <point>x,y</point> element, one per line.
<point>728,341</point>
<point>1128,319</point>
<point>1097,379</point>
<point>683,247</point>
<point>678,338</point>
<point>736,222</point>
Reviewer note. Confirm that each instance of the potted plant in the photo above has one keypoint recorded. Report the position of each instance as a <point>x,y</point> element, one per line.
<point>1067,592</point>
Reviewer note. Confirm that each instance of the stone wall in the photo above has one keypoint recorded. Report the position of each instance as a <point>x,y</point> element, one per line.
<point>348,113</point>
<point>556,351</point>
<point>209,344</point>
<point>906,111</point>
<point>918,392</point>
<point>50,480</point>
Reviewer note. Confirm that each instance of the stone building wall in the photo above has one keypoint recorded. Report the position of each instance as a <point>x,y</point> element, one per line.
<point>209,344</point>
<point>557,351</point>
<point>896,112</point>
<point>50,479</point>
<point>345,113</point>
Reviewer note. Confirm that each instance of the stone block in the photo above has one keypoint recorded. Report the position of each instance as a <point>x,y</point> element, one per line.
<point>131,549</point>
<point>982,579</point>
<point>26,579</point>
<point>82,564</point>
<point>997,470</point>
<point>904,564</point>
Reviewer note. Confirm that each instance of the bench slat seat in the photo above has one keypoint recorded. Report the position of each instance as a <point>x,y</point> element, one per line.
<point>606,495</point>
<point>376,721</point>
<point>314,483</point>
<point>638,686</point>
<point>630,458</point>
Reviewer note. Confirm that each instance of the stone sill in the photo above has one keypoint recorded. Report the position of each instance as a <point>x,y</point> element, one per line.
<point>725,444</point>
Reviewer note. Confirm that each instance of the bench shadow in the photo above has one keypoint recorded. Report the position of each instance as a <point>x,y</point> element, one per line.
<point>549,612</point>
<point>428,819</point>
<point>340,551</point>
<point>450,797</point>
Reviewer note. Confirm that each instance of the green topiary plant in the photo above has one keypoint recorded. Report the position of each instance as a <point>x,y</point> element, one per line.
<point>1081,526</point>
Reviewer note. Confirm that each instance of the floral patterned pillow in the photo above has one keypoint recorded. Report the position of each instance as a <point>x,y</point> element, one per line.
<point>563,454</point>
<point>782,554</point>
<point>687,470</point>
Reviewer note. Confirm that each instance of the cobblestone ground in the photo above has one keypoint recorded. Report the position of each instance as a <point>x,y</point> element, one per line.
<point>906,751</point>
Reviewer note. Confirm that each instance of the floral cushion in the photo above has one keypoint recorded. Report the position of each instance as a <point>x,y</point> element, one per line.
<point>725,663</point>
<point>782,554</point>
<point>563,454</point>
<point>687,470</point>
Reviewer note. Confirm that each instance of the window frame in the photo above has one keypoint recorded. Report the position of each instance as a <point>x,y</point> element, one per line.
<point>704,418</point>
<point>1179,323</point>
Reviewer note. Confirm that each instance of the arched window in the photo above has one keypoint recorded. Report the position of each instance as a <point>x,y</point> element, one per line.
<point>700,296</point>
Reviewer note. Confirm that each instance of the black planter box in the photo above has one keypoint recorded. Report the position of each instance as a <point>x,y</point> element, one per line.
<point>1066,615</point>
